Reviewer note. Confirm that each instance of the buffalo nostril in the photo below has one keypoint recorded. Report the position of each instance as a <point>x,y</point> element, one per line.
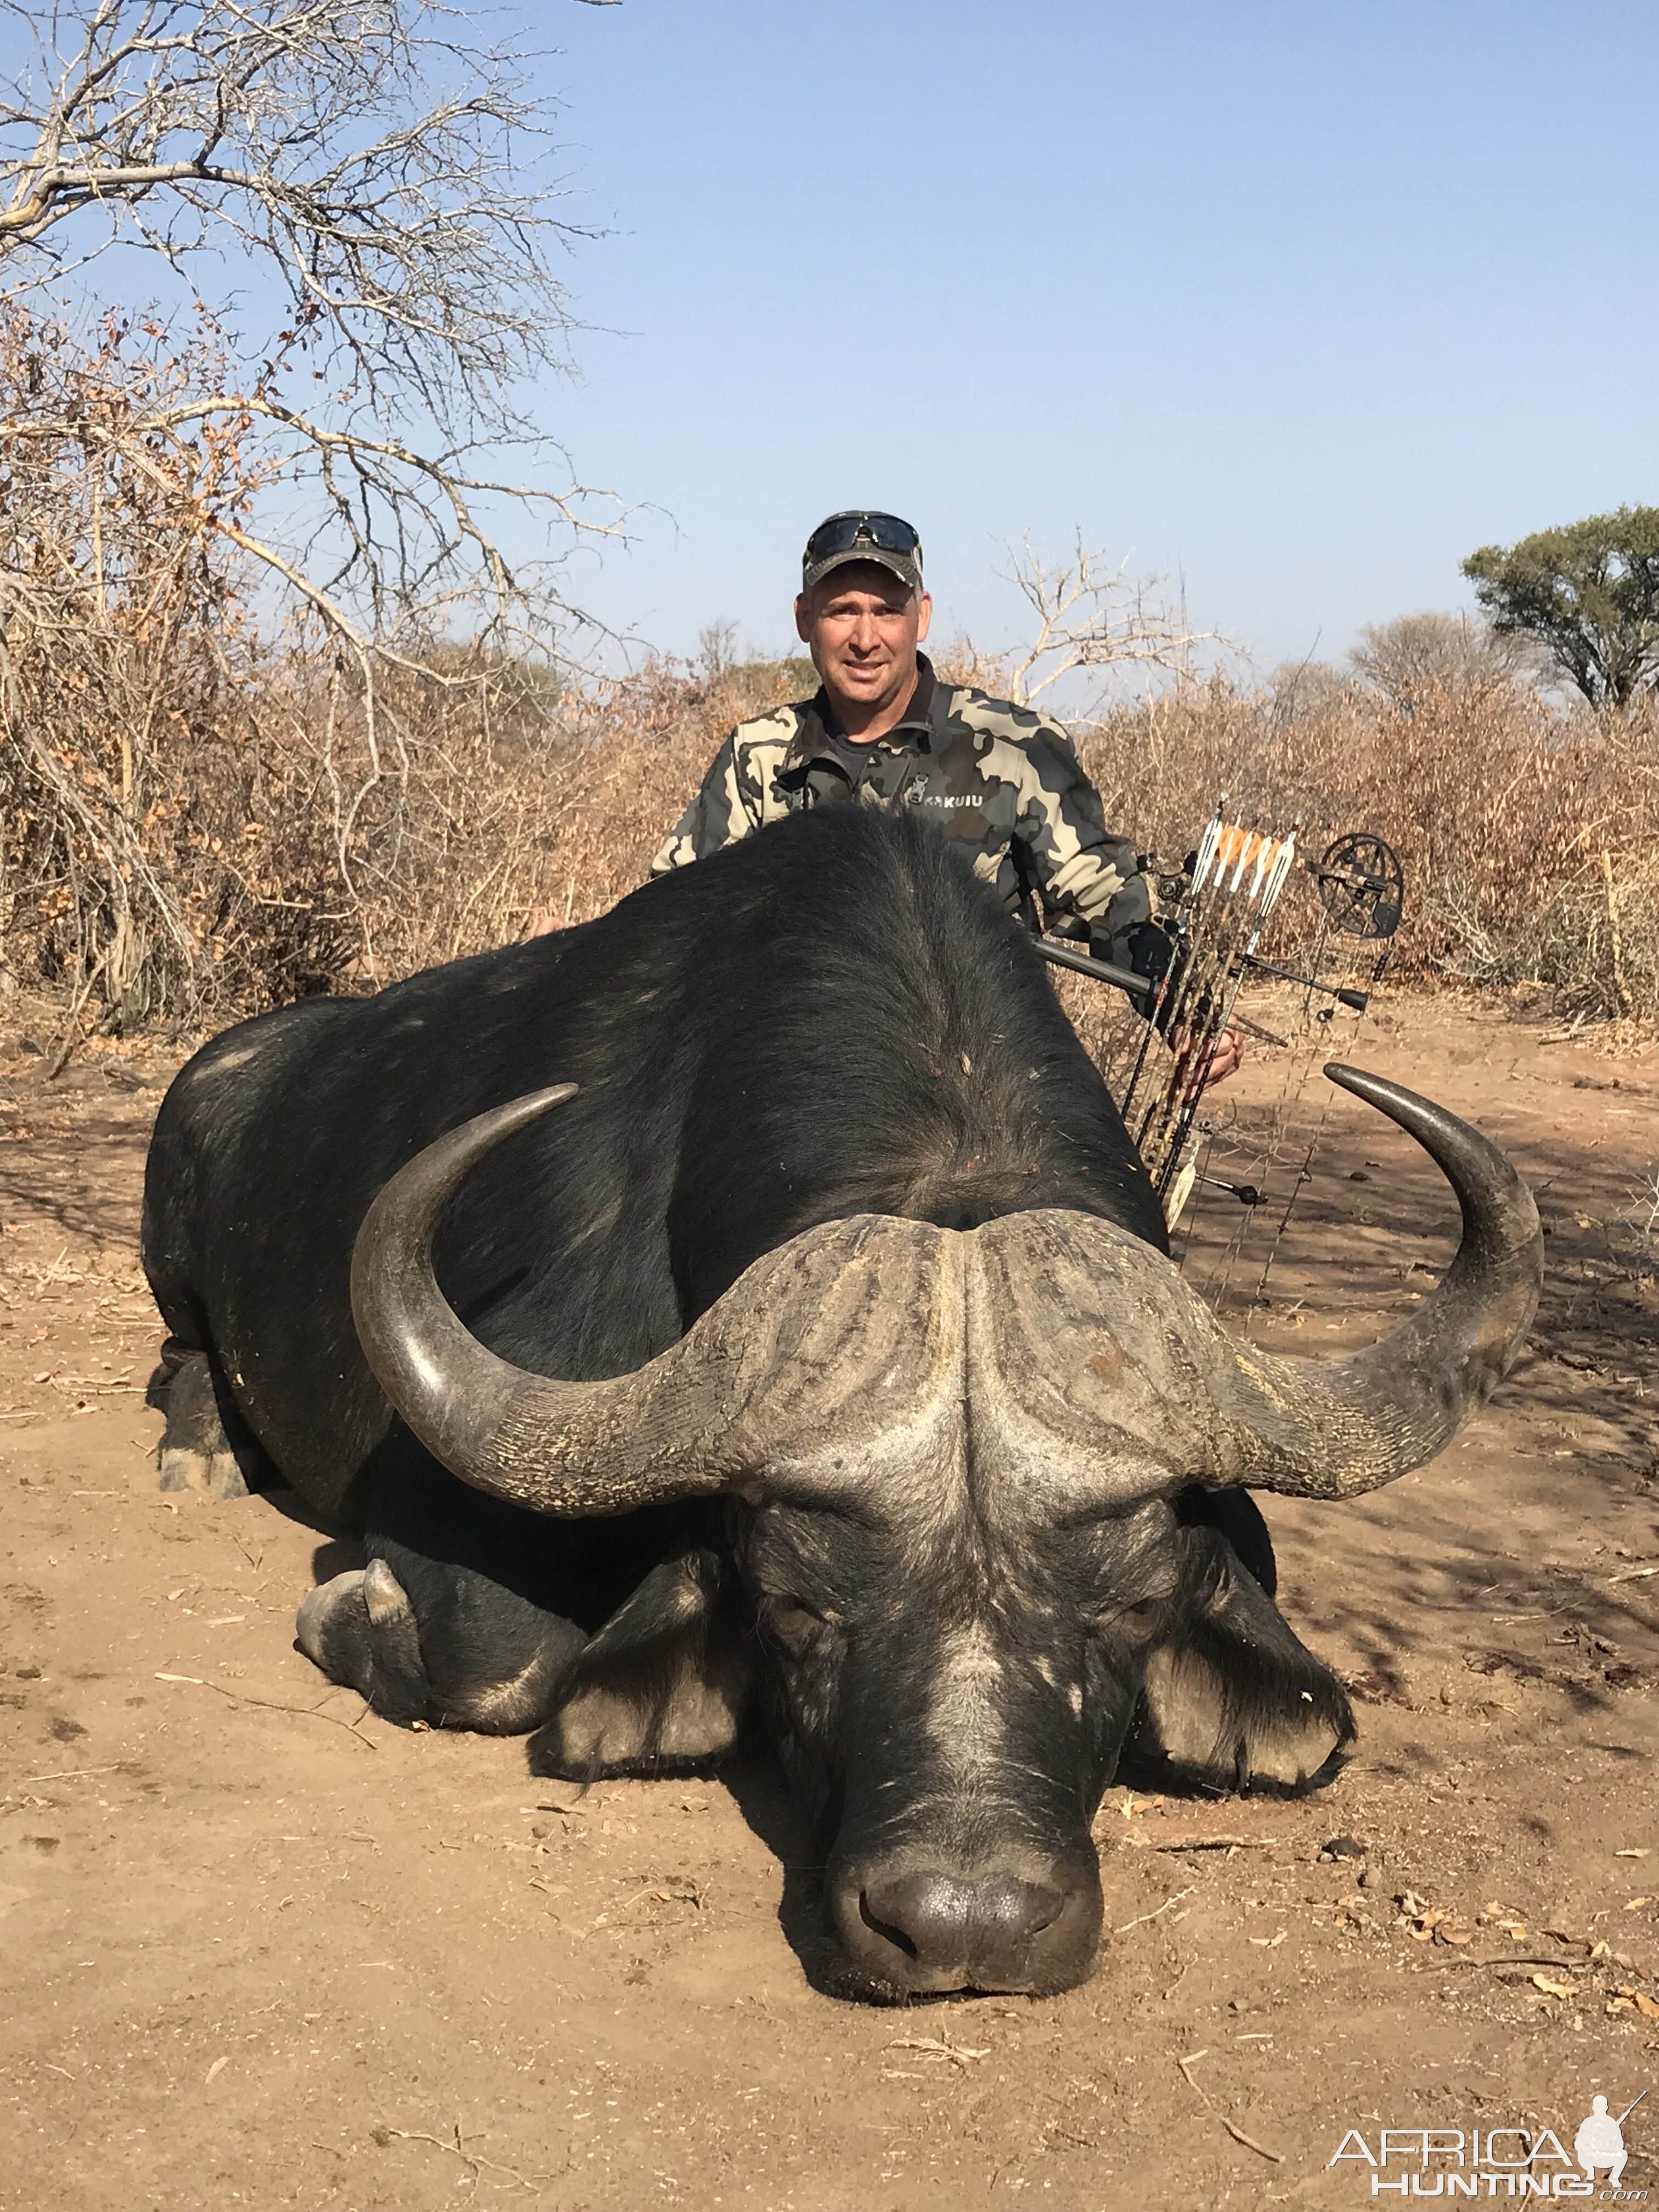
<point>939,1922</point>
<point>925,1915</point>
<point>887,1930</point>
<point>1004,1906</point>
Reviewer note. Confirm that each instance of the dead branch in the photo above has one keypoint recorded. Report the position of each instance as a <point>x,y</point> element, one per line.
<point>381,167</point>
<point>1092,616</point>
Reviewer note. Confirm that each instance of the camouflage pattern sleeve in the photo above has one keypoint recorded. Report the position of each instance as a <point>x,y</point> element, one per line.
<point>715,818</point>
<point>1078,868</point>
<point>740,793</point>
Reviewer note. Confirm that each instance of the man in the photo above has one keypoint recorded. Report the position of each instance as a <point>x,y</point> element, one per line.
<point>1000,780</point>
<point>1601,2140</point>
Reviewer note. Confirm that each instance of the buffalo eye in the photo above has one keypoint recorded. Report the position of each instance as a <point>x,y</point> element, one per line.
<point>791,1620</point>
<point>1136,1620</point>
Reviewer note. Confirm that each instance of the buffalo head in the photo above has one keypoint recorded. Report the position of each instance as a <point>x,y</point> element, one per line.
<point>953,1462</point>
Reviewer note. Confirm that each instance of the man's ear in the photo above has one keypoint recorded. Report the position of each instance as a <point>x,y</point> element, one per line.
<point>803,619</point>
<point>924,614</point>
<point>663,1688</point>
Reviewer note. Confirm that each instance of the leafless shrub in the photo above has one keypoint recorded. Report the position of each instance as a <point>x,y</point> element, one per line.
<point>1303,688</point>
<point>1090,618</point>
<point>1527,836</point>
<point>1640,1217</point>
<point>133,814</point>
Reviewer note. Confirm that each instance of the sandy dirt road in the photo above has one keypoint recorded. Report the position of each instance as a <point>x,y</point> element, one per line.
<point>258,1950</point>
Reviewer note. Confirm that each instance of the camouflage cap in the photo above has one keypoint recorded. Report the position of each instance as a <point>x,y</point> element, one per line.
<point>863,534</point>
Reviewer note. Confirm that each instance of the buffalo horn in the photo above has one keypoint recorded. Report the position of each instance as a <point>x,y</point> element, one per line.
<point>823,1335</point>
<point>1333,1429</point>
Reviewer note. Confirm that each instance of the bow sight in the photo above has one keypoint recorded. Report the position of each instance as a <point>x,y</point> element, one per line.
<point>1362,886</point>
<point>1214,911</point>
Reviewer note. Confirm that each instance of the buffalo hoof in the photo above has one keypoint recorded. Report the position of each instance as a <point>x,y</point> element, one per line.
<point>198,1450</point>
<point>216,1474</point>
<point>361,1630</point>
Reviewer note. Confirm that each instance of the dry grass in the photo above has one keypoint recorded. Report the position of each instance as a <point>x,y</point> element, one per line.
<point>1527,838</point>
<point>196,823</point>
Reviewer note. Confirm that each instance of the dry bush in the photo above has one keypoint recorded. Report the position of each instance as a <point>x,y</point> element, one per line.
<point>197,820</point>
<point>134,794</point>
<point>1527,838</point>
<point>481,826</point>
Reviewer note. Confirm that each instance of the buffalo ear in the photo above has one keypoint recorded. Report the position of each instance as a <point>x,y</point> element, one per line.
<point>664,1686</point>
<point>1232,1699</point>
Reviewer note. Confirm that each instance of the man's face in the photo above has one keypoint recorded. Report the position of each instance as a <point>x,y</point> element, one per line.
<point>862,628</point>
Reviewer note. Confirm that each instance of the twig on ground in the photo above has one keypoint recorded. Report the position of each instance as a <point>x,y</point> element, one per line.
<point>73,1774</point>
<point>271,1704</point>
<point>1515,1959</point>
<point>1231,2126</point>
<point>1141,1918</point>
<point>1216,1843</point>
<point>473,2160</point>
<point>961,2055</point>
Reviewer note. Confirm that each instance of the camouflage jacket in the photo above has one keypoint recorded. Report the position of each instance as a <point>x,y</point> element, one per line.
<point>1000,781</point>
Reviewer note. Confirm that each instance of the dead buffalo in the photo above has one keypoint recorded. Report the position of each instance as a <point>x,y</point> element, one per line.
<point>806,1347</point>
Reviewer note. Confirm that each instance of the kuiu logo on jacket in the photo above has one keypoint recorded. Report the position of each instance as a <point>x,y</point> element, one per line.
<point>916,793</point>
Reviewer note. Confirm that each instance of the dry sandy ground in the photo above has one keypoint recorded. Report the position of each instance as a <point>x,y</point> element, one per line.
<point>258,1950</point>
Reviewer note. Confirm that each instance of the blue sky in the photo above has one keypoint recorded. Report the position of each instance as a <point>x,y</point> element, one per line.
<point>1303,302</point>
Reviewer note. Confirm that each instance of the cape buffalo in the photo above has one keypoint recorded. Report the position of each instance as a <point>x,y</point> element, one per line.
<point>807,1345</point>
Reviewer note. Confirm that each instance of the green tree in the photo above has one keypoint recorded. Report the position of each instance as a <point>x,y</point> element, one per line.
<point>1588,593</point>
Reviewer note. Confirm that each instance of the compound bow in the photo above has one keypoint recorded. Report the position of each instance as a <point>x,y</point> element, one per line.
<point>1214,911</point>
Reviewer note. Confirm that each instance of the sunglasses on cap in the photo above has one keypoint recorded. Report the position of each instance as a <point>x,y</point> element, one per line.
<point>842,532</point>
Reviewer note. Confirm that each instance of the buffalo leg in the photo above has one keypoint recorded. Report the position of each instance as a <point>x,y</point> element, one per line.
<point>204,1445</point>
<point>661,1688</point>
<point>475,1614</point>
<point>439,1644</point>
<point>361,1630</point>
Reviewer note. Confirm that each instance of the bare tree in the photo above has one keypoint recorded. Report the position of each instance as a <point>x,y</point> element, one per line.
<point>1408,658</point>
<point>717,649</point>
<point>1304,689</point>
<point>359,160</point>
<point>340,208</point>
<point>1093,616</point>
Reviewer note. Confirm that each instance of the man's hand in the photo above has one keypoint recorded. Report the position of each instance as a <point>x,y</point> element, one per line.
<point>1205,1061</point>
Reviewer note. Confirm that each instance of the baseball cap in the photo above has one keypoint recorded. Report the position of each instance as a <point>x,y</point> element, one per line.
<point>863,534</point>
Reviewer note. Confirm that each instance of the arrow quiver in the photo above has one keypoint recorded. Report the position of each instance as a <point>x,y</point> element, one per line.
<point>1215,910</point>
<point>1230,888</point>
